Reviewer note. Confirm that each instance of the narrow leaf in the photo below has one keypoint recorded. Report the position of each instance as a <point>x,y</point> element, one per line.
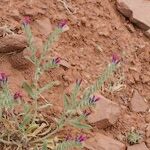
<point>74,94</point>
<point>26,120</point>
<point>47,86</point>
<point>44,146</point>
<point>32,128</point>
<point>66,102</point>
<point>80,125</point>
<point>28,89</point>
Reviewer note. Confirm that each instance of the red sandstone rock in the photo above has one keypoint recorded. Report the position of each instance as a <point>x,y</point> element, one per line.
<point>102,142</point>
<point>106,113</point>
<point>12,43</point>
<point>147,33</point>
<point>18,61</point>
<point>141,146</point>
<point>137,11</point>
<point>43,26</point>
<point>138,103</point>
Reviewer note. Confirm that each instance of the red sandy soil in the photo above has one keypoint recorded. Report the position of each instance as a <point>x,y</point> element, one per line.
<point>97,30</point>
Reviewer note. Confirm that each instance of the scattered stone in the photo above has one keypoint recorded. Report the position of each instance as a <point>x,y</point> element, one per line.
<point>135,10</point>
<point>147,33</point>
<point>136,77</point>
<point>102,142</point>
<point>148,142</point>
<point>33,12</point>
<point>65,28</point>
<point>130,28</point>
<point>104,33</point>
<point>30,12</point>
<point>141,146</point>
<point>145,78</point>
<point>147,118</point>
<point>148,131</point>
<point>15,14</point>
<point>106,113</point>
<point>43,26</point>
<point>138,103</point>
<point>64,64</point>
<point>18,61</point>
<point>66,78</point>
<point>1,32</point>
<point>12,43</point>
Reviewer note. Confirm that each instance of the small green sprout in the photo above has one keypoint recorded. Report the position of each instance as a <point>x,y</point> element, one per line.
<point>133,137</point>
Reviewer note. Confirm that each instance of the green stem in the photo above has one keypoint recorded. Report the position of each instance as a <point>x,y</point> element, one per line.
<point>36,78</point>
<point>35,109</point>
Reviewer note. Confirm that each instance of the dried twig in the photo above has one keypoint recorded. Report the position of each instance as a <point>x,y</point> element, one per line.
<point>68,8</point>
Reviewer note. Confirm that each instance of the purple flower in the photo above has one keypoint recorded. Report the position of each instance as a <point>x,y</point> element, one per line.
<point>17,95</point>
<point>94,99</point>
<point>78,82</point>
<point>62,24</point>
<point>26,20</point>
<point>86,113</point>
<point>80,138</point>
<point>3,79</point>
<point>115,59</point>
<point>68,138</point>
<point>56,61</point>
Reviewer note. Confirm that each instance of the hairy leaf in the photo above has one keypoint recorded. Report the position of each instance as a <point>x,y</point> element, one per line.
<point>47,86</point>
<point>75,94</point>
<point>66,102</point>
<point>28,89</point>
<point>44,146</point>
<point>80,125</point>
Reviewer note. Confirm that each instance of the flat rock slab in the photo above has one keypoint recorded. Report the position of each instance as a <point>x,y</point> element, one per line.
<point>138,103</point>
<point>106,113</point>
<point>141,146</point>
<point>12,43</point>
<point>138,11</point>
<point>43,26</point>
<point>147,33</point>
<point>102,142</point>
<point>19,61</point>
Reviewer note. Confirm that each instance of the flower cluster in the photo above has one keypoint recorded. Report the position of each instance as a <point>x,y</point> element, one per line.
<point>86,113</point>
<point>56,61</point>
<point>78,82</point>
<point>3,79</point>
<point>115,59</point>
<point>26,20</point>
<point>94,99</point>
<point>62,24</point>
<point>17,95</point>
<point>78,139</point>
